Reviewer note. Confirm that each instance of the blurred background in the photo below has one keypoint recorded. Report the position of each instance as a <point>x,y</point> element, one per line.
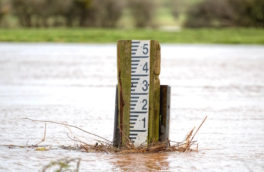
<point>131,13</point>
<point>166,15</point>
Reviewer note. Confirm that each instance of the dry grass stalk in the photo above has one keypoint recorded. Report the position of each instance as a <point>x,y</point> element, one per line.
<point>154,147</point>
<point>106,146</point>
<point>44,135</point>
<point>68,126</point>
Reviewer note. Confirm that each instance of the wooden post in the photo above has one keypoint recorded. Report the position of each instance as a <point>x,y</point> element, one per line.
<point>116,135</point>
<point>165,99</point>
<point>125,53</point>
<point>154,106</point>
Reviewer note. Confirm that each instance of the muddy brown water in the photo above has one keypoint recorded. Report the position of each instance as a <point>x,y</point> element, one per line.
<point>75,84</point>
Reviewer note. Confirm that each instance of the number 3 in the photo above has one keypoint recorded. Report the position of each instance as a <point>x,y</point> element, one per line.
<point>146,85</point>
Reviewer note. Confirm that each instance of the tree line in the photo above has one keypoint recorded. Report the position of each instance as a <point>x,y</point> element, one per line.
<point>226,13</point>
<point>107,13</point>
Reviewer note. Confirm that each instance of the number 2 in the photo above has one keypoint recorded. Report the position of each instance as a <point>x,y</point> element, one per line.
<point>144,106</point>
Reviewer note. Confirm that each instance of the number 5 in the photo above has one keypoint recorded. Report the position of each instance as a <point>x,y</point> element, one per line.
<point>145,48</point>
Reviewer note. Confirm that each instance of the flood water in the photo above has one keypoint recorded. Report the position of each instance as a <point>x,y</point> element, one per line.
<point>75,84</point>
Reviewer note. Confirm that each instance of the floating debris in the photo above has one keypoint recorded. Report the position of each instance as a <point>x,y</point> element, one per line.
<point>106,146</point>
<point>41,149</point>
<point>65,164</point>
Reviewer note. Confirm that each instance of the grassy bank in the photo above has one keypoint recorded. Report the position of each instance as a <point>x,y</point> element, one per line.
<point>211,36</point>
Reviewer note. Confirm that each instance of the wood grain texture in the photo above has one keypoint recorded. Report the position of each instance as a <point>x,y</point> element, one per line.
<point>124,86</point>
<point>154,94</point>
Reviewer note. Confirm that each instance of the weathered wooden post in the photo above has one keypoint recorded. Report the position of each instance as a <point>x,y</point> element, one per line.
<point>165,99</point>
<point>138,94</point>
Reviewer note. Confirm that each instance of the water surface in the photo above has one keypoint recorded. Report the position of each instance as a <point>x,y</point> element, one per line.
<point>75,84</point>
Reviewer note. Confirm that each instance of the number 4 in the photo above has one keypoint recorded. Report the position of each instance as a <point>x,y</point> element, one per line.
<point>145,67</point>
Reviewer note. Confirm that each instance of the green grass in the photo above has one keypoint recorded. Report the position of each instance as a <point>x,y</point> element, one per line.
<point>211,36</point>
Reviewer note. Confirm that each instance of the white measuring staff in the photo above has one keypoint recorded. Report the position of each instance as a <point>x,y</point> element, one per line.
<point>139,101</point>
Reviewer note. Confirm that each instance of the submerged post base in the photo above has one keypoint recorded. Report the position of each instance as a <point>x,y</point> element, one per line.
<point>164,126</point>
